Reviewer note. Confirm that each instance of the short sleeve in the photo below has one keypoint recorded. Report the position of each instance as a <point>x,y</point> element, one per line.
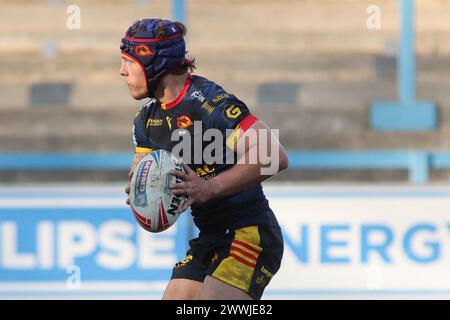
<point>231,116</point>
<point>228,113</point>
<point>140,138</point>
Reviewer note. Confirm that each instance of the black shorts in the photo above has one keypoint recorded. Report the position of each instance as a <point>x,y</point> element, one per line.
<point>245,258</point>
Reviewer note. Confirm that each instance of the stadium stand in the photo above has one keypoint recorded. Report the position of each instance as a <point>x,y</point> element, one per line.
<point>322,48</point>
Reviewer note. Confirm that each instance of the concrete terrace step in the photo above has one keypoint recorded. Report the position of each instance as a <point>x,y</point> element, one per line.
<point>346,130</point>
<point>50,129</point>
<point>76,130</point>
<point>305,25</point>
<point>96,66</point>
<point>325,80</point>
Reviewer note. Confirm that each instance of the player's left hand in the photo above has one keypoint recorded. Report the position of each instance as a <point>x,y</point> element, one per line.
<point>195,188</point>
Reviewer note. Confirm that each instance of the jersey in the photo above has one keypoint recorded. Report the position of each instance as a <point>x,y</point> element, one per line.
<point>202,103</point>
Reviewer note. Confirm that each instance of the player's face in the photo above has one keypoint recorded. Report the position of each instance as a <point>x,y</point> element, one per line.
<point>134,78</point>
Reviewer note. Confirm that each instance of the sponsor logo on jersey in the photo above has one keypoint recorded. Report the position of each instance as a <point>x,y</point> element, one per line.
<point>184,122</point>
<point>198,95</point>
<point>143,50</point>
<point>169,122</point>
<point>264,278</point>
<point>230,114</point>
<point>220,97</point>
<point>154,122</point>
<point>209,108</point>
<point>184,262</point>
<point>205,172</point>
<point>233,112</point>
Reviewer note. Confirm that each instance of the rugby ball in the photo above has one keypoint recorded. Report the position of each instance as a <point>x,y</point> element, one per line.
<point>151,201</point>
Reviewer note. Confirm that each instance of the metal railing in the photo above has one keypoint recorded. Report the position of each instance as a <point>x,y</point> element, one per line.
<point>417,162</point>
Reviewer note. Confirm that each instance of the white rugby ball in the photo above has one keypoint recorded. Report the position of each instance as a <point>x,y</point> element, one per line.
<point>152,202</point>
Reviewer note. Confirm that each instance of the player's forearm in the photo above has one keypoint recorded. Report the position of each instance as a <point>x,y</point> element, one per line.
<point>243,176</point>
<point>236,179</point>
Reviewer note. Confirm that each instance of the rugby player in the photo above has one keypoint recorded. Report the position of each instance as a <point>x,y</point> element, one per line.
<point>240,245</point>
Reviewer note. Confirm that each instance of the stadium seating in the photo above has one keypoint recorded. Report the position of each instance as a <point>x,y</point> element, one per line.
<point>324,47</point>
